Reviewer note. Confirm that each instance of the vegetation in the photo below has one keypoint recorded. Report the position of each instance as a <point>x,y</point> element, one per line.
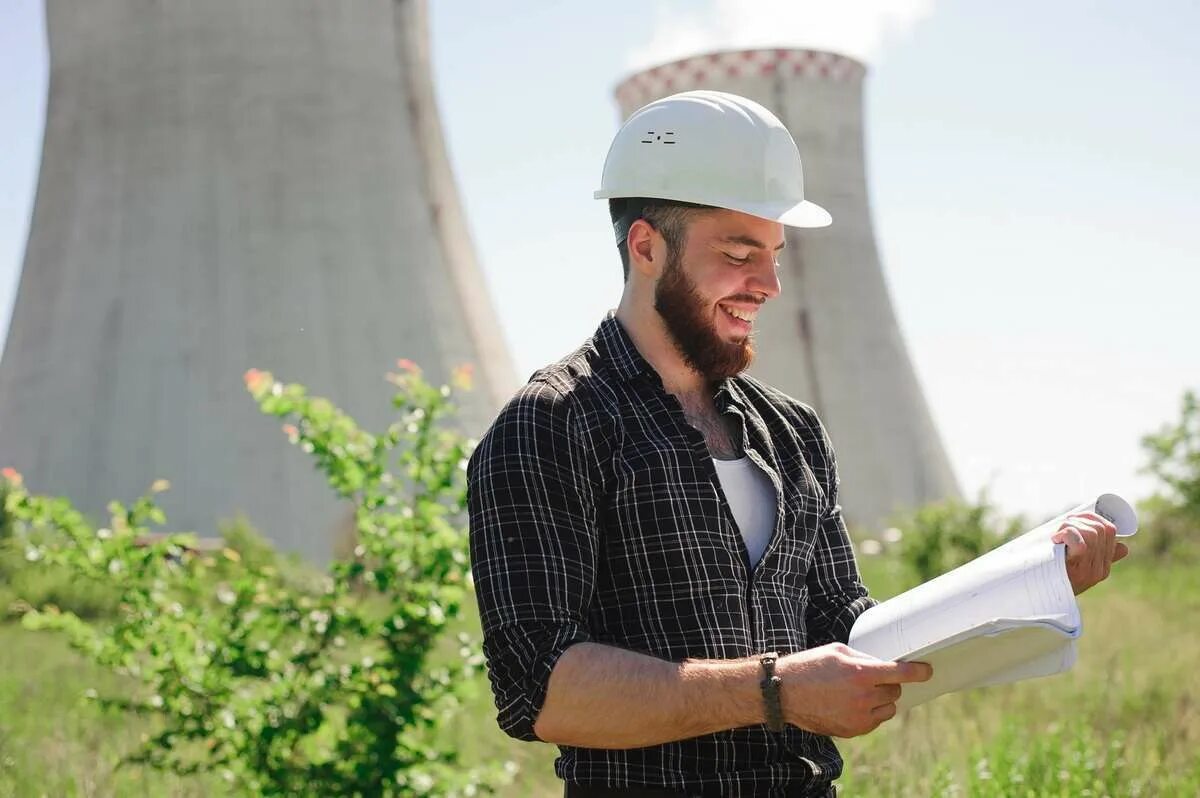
<point>1123,722</point>
<point>1173,458</point>
<point>940,537</point>
<point>282,681</point>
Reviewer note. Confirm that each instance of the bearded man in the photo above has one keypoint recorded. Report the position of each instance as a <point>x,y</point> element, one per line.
<point>664,577</point>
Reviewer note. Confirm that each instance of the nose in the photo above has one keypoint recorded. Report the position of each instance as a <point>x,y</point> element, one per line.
<point>765,279</point>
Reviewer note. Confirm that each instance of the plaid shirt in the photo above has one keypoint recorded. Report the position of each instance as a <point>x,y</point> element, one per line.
<point>596,515</point>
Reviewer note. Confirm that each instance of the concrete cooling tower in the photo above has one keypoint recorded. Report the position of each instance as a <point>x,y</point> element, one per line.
<point>225,185</point>
<point>831,338</point>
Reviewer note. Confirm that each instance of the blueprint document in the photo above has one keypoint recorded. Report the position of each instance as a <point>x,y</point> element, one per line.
<point>1009,614</point>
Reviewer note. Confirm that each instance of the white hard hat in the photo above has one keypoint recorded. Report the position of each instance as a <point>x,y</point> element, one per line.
<point>711,148</point>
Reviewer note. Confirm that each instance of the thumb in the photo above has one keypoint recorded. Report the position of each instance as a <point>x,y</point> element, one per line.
<point>886,672</point>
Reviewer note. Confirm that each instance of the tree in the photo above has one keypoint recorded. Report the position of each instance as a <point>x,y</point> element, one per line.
<point>1173,457</point>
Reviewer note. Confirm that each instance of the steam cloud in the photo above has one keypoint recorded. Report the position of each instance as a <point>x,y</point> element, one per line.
<point>857,28</point>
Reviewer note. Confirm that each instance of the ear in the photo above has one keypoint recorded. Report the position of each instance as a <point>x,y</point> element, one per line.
<point>647,249</point>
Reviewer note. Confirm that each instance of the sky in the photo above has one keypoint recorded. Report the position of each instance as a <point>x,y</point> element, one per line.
<point>1031,167</point>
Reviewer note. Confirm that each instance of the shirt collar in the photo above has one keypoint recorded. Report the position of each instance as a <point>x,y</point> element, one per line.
<point>615,346</point>
<point>729,391</point>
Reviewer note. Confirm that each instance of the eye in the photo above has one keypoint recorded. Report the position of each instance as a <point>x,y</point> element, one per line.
<point>739,261</point>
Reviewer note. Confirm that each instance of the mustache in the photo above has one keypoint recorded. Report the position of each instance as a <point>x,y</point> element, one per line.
<point>757,300</point>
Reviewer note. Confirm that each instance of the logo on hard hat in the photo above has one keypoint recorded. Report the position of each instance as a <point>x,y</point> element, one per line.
<point>657,138</point>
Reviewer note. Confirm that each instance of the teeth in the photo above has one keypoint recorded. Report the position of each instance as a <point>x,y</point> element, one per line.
<point>744,315</point>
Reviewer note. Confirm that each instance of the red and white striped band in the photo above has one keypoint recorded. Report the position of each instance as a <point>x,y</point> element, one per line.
<point>696,72</point>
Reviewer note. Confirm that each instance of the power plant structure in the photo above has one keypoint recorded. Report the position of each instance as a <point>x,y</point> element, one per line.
<point>831,338</point>
<point>227,185</point>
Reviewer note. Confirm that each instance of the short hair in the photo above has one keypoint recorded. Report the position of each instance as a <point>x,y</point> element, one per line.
<point>669,217</point>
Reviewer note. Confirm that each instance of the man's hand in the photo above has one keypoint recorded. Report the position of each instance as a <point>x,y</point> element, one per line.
<point>838,691</point>
<point>1092,548</point>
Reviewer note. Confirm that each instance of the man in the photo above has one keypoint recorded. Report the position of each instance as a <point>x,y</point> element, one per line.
<point>650,526</point>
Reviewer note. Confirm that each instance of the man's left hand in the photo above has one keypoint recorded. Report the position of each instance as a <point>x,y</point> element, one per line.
<point>1092,548</point>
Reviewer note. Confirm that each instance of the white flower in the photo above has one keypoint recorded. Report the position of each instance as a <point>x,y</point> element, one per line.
<point>870,548</point>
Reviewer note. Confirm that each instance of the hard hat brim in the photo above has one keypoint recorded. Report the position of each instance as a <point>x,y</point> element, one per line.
<point>801,214</point>
<point>792,214</point>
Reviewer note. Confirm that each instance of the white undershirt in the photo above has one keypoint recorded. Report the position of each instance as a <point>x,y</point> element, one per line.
<point>752,500</point>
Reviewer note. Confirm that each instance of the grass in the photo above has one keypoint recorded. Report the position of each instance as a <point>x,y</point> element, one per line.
<point>1124,722</point>
<point>53,742</point>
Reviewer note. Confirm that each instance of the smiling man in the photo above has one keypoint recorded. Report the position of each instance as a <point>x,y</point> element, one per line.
<point>664,577</point>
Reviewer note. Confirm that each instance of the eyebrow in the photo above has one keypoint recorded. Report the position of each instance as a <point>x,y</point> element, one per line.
<point>751,242</point>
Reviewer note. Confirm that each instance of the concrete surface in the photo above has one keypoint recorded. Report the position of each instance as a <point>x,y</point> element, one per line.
<point>225,185</point>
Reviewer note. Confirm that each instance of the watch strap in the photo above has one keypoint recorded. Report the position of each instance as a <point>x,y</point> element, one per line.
<point>770,689</point>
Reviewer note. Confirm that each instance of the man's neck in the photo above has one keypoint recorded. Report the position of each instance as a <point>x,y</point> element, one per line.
<point>651,338</point>
<point>695,394</point>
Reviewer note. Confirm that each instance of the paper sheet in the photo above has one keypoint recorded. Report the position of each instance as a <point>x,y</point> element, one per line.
<point>1007,615</point>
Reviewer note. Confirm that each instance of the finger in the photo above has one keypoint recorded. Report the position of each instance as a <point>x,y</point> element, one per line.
<point>1122,551</point>
<point>885,694</point>
<point>1073,538</point>
<point>1106,532</point>
<point>1090,522</point>
<point>1106,523</point>
<point>1097,563</point>
<point>882,713</point>
<point>1064,530</point>
<point>900,672</point>
<point>1091,556</point>
<point>1097,550</point>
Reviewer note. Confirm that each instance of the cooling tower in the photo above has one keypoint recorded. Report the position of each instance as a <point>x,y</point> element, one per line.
<point>225,185</point>
<point>831,339</point>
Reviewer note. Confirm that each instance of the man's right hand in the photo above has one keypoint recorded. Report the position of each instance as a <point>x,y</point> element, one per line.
<point>838,691</point>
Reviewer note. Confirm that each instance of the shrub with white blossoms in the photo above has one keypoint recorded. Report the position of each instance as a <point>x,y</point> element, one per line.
<point>283,681</point>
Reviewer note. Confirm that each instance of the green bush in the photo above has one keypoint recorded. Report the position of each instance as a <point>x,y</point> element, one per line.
<point>281,681</point>
<point>23,582</point>
<point>5,521</point>
<point>1171,517</point>
<point>941,536</point>
<point>22,586</point>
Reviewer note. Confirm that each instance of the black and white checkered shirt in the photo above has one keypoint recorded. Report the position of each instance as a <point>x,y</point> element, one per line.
<point>596,515</point>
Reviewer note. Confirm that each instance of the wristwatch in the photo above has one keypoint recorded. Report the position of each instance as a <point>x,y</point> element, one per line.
<point>770,690</point>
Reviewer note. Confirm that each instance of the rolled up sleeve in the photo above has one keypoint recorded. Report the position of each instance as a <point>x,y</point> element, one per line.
<point>533,543</point>
<point>837,595</point>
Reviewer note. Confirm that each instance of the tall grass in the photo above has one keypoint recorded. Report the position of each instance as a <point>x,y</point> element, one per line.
<point>1124,722</point>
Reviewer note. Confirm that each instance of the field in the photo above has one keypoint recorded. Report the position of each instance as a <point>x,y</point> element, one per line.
<point>1125,721</point>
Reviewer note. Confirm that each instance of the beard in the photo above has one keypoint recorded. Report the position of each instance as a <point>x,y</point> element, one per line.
<point>693,330</point>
